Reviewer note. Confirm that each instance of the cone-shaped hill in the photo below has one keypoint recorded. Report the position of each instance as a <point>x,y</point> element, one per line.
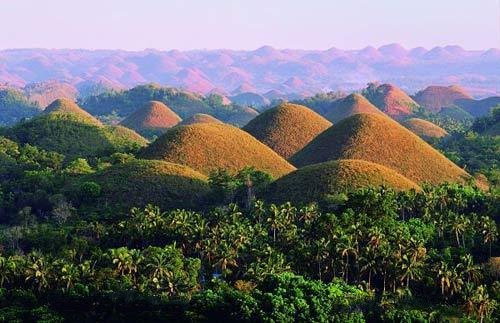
<point>66,108</point>
<point>153,118</point>
<point>349,106</point>
<point>287,128</point>
<point>206,147</point>
<point>139,182</point>
<point>241,117</point>
<point>199,118</point>
<point>381,140</point>
<point>391,100</point>
<point>67,129</point>
<point>425,129</point>
<point>314,182</point>
<point>434,98</point>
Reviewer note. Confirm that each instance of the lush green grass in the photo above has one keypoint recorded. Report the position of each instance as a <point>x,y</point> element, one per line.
<point>315,182</point>
<point>381,140</point>
<point>208,147</point>
<point>287,128</point>
<point>139,182</point>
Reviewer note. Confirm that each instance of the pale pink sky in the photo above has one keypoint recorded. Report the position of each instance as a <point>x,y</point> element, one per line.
<point>247,24</point>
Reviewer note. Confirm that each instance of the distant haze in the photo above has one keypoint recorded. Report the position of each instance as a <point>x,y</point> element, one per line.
<point>245,24</point>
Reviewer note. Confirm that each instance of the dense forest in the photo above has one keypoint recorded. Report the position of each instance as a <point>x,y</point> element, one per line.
<point>98,224</point>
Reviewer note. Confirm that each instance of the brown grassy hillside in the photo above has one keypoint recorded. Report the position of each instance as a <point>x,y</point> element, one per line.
<point>139,182</point>
<point>199,118</point>
<point>381,140</point>
<point>425,129</point>
<point>207,147</point>
<point>391,100</point>
<point>434,98</point>
<point>153,116</point>
<point>287,128</point>
<point>64,107</point>
<point>314,182</point>
<point>348,106</point>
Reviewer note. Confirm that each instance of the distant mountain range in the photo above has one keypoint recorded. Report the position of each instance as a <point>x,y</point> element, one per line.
<point>265,71</point>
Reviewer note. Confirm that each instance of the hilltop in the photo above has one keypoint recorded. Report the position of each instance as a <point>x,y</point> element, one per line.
<point>315,182</point>
<point>391,100</point>
<point>199,118</point>
<point>14,107</point>
<point>348,106</point>
<point>208,147</point>
<point>434,98</point>
<point>139,182</point>
<point>381,140</point>
<point>425,129</point>
<point>67,129</point>
<point>154,117</point>
<point>287,128</point>
<point>478,108</point>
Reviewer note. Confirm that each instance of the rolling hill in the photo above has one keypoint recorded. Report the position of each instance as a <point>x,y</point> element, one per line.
<point>199,118</point>
<point>153,118</point>
<point>67,129</point>
<point>348,106</point>
<point>208,147</point>
<point>287,128</point>
<point>434,98</point>
<point>425,129</point>
<point>478,108</point>
<point>391,100</point>
<point>381,140</point>
<point>315,182</point>
<point>139,182</point>
<point>14,106</point>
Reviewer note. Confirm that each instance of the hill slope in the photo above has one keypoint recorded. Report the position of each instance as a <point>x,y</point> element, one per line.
<point>67,129</point>
<point>383,141</point>
<point>287,128</point>
<point>314,182</point>
<point>348,106</point>
<point>199,118</point>
<point>391,100</point>
<point>207,147</point>
<point>434,98</point>
<point>153,117</point>
<point>139,182</point>
<point>425,129</point>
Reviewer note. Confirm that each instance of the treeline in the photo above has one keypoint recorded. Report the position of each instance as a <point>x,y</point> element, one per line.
<point>372,254</point>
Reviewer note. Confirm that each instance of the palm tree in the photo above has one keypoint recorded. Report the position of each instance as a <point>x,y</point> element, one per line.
<point>489,231</point>
<point>471,271</point>
<point>37,270</point>
<point>347,247</point>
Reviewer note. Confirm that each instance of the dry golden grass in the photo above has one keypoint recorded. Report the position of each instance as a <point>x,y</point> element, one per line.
<point>436,97</point>
<point>64,107</point>
<point>287,128</point>
<point>199,118</point>
<point>206,147</point>
<point>139,182</point>
<point>393,101</point>
<point>425,129</point>
<point>350,105</point>
<point>153,116</point>
<point>314,182</point>
<point>381,140</point>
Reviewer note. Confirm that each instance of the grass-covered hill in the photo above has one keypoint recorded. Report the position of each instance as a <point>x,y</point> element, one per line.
<point>139,182</point>
<point>479,108</point>
<point>287,128</point>
<point>208,147</point>
<point>154,117</point>
<point>241,116</point>
<point>425,129</point>
<point>433,98</point>
<point>381,140</point>
<point>315,182</point>
<point>391,100</point>
<point>199,118</point>
<point>67,129</point>
<point>14,106</point>
<point>348,106</point>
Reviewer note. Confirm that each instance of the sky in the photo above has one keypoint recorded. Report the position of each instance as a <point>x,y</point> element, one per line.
<point>247,24</point>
